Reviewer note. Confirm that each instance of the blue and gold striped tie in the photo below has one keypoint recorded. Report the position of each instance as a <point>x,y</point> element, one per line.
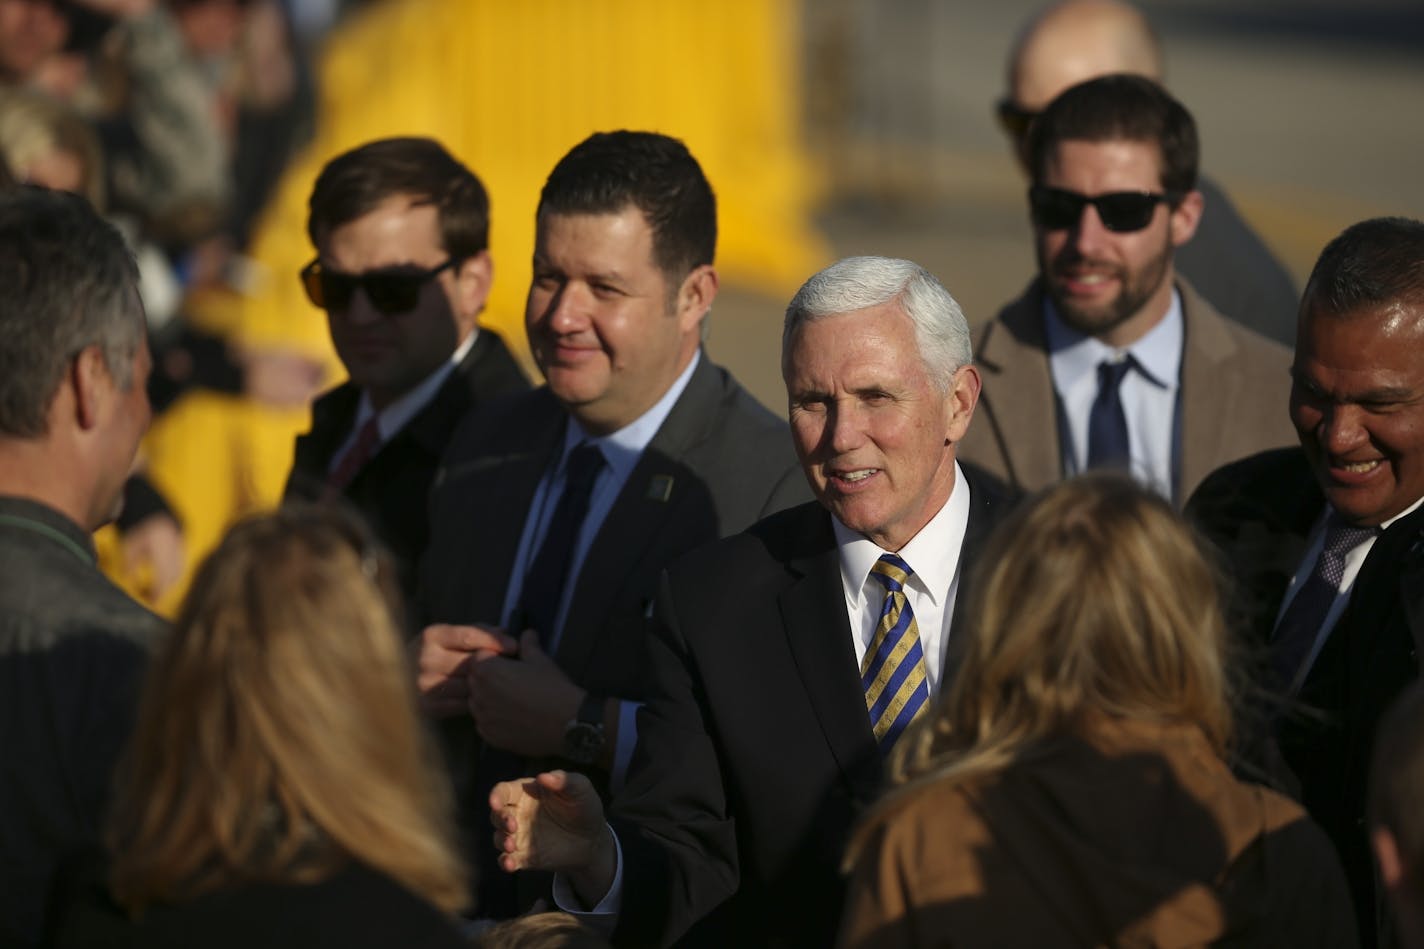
<point>893,672</point>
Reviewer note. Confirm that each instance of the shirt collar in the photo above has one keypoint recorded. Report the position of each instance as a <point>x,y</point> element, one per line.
<point>1073,355</point>
<point>622,449</point>
<point>933,553</point>
<point>398,414</point>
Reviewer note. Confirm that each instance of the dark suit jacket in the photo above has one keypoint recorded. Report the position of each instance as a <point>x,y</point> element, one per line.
<point>1227,372</point>
<point>755,751</point>
<point>1260,511</point>
<point>391,490</point>
<point>720,461</point>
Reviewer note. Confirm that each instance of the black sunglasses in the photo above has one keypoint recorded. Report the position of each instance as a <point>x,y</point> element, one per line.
<point>390,291</point>
<point>1013,119</point>
<point>1123,212</point>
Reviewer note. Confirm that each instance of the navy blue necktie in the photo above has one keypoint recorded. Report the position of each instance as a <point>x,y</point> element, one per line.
<point>1107,424</point>
<point>1299,627</point>
<point>544,583</point>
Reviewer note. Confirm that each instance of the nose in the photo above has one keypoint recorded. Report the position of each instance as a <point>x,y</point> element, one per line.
<point>1089,235</point>
<point>845,430</point>
<point>562,310</point>
<point>1341,430</point>
<point>361,311</point>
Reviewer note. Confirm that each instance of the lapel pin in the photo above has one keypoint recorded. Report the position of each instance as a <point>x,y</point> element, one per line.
<point>660,488</point>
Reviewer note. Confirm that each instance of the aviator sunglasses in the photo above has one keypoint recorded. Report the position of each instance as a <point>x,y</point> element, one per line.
<point>1120,211</point>
<point>390,291</point>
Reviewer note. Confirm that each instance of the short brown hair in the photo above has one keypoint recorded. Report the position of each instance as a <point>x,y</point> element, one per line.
<point>355,183</point>
<point>541,931</point>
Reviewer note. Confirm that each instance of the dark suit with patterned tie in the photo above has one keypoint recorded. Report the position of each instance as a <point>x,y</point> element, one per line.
<point>756,752</point>
<point>1260,511</point>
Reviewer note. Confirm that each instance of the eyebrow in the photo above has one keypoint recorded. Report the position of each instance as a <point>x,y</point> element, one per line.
<point>1380,394</point>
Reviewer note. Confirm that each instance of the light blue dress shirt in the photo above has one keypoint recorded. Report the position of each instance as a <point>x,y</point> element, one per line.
<point>1149,395</point>
<point>621,451</point>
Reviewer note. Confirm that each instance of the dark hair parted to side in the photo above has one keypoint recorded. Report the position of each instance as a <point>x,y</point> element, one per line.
<point>70,283</point>
<point>355,183</point>
<point>1371,263</point>
<point>1120,108</point>
<point>608,171</point>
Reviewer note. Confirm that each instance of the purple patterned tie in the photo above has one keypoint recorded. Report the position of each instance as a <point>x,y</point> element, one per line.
<point>1297,631</point>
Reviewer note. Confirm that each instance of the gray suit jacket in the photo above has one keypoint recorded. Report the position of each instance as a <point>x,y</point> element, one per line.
<point>1235,387</point>
<point>720,462</point>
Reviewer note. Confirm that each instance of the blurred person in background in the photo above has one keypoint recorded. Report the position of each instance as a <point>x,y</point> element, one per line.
<point>278,789</point>
<point>1072,789</point>
<point>1073,41</point>
<point>1397,815</point>
<point>72,645</point>
<point>403,270</point>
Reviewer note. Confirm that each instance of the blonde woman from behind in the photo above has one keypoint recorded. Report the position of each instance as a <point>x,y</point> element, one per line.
<point>278,789</point>
<point>1071,790</point>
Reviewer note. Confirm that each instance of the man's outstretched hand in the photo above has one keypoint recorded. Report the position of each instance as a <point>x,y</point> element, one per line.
<point>555,821</point>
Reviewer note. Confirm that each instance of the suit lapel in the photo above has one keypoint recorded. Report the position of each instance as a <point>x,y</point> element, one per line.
<point>1209,393</point>
<point>1019,401</point>
<point>493,496</point>
<point>332,417</point>
<point>987,507</point>
<point>818,632</point>
<point>658,489</point>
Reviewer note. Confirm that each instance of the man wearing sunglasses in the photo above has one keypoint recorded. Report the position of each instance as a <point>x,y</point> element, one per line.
<point>1075,40</point>
<point>402,269</point>
<point>1110,359</point>
<point>554,518</point>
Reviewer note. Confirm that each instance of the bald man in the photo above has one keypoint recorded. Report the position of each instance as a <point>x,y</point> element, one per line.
<point>1077,40</point>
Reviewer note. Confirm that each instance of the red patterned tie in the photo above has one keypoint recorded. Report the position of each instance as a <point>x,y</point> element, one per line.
<point>362,450</point>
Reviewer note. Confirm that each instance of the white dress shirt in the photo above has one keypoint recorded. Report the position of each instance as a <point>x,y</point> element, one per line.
<point>933,556</point>
<point>1354,560</point>
<point>1149,396</point>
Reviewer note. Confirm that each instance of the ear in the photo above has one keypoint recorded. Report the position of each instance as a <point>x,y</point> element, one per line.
<point>473,279</point>
<point>695,296</point>
<point>92,386</point>
<point>1185,218</point>
<point>960,401</point>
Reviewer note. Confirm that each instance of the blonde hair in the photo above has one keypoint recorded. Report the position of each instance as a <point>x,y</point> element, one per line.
<point>32,125</point>
<point>277,736</point>
<point>1094,600</point>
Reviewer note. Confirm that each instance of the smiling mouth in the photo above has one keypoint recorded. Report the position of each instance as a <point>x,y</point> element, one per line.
<point>1357,467</point>
<point>854,476</point>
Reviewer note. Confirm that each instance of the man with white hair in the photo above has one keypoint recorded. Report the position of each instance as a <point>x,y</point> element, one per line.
<point>788,659</point>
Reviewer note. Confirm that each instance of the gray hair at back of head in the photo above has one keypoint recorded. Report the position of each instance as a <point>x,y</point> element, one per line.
<point>70,283</point>
<point>859,283</point>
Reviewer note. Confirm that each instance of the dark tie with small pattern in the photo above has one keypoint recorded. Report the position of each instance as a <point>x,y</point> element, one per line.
<point>1107,424</point>
<point>544,583</point>
<point>1299,627</point>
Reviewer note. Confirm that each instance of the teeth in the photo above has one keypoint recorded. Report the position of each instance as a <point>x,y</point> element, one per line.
<point>1360,467</point>
<point>860,475</point>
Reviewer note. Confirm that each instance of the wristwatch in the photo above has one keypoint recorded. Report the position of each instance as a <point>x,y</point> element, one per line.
<point>584,736</point>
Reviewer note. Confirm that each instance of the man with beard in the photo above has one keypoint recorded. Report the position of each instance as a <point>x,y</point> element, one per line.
<point>1110,359</point>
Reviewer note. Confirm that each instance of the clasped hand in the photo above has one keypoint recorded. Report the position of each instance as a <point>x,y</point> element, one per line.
<point>520,699</point>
